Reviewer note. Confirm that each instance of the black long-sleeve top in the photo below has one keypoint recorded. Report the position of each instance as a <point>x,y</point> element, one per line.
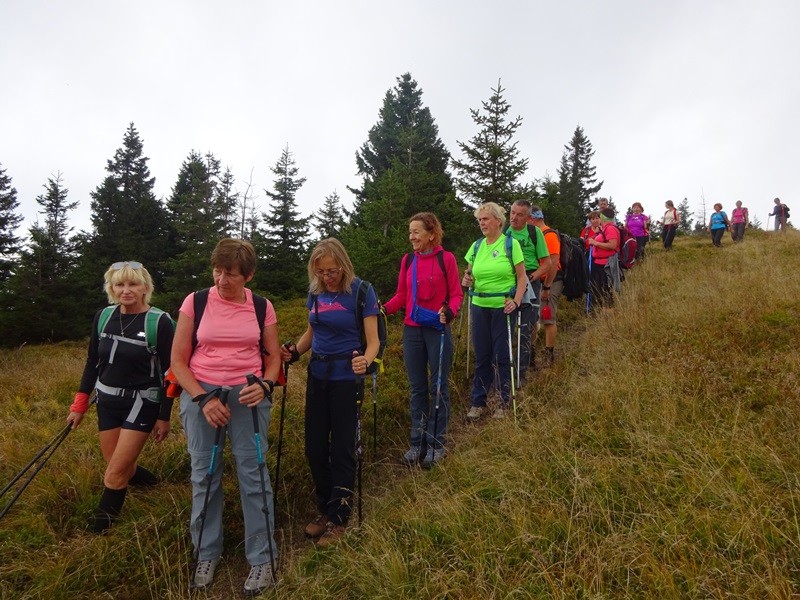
<point>132,365</point>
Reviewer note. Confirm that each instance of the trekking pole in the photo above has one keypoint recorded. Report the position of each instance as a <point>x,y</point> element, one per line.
<point>511,360</point>
<point>469,320</point>
<point>460,330</point>
<point>359,445</point>
<point>262,465</point>
<point>280,438</point>
<point>589,293</point>
<point>46,452</point>
<point>374,412</point>
<point>519,342</point>
<point>438,394</point>
<point>215,449</point>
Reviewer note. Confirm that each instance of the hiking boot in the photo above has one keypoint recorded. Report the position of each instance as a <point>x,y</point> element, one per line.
<point>412,456</point>
<point>259,579</point>
<point>433,456</point>
<point>332,533</point>
<point>203,574</point>
<point>317,527</point>
<point>475,413</point>
<point>500,413</point>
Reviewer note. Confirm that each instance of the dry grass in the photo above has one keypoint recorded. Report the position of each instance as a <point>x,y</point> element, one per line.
<point>660,458</point>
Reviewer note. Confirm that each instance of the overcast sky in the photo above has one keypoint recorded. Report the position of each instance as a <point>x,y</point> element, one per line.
<point>679,98</point>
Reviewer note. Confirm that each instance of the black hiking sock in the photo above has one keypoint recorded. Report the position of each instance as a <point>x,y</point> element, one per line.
<point>143,477</point>
<point>551,355</point>
<point>108,510</point>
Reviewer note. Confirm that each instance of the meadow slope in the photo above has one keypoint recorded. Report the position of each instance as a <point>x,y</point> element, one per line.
<point>658,459</point>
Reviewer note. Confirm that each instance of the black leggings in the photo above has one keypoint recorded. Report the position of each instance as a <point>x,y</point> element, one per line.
<point>330,445</point>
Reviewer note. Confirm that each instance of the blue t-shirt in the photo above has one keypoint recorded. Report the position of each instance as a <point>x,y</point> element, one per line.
<point>718,220</point>
<point>336,332</point>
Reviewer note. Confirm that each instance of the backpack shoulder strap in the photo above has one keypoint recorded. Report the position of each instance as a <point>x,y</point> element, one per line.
<point>200,301</point>
<point>475,247</point>
<point>151,320</point>
<point>260,305</point>
<point>532,234</point>
<point>440,260</point>
<point>509,243</point>
<point>361,300</point>
<point>105,315</point>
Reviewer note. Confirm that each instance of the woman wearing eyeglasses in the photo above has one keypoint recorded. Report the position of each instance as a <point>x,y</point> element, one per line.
<point>335,376</point>
<point>129,351</point>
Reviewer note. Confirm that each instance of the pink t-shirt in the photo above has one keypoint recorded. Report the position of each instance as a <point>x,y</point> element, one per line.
<point>607,233</point>
<point>227,339</point>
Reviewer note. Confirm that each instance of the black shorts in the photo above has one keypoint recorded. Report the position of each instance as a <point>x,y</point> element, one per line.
<point>136,415</point>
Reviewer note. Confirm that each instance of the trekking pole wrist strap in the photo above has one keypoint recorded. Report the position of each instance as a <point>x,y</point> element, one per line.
<point>80,404</point>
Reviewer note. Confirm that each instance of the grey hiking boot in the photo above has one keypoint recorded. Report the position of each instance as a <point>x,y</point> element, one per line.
<point>475,413</point>
<point>203,574</point>
<point>433,456</point>
<point>259,579</point>
<point>412,456</point>
<point>500,413</point>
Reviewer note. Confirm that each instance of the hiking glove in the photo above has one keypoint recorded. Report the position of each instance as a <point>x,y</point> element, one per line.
<point>448,314</point>
<point>295,354</point>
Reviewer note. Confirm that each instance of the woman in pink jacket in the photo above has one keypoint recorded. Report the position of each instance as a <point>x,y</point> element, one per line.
<point>429,290</point>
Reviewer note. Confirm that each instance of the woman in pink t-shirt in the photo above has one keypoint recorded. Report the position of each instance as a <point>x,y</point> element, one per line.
<point>217,354</point>
<point>739,221</point>
<point>603,244</point>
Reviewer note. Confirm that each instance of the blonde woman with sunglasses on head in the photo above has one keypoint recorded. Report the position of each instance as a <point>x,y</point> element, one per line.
<point>125,368</point>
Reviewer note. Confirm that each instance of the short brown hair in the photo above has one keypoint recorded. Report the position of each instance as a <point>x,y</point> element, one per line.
<point>431,224</point>
<point>233,253</point>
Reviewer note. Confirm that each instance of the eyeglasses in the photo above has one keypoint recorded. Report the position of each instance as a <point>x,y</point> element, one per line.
<point>130,263</point>
<point>328,272</point>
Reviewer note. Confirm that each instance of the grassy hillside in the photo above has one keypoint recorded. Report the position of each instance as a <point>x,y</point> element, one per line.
<point>660,458</point>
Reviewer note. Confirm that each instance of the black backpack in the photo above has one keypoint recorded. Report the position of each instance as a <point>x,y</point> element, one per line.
<point>574,267</point>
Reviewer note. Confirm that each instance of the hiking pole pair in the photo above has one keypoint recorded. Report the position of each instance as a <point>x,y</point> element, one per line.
<point>44,454</point>
<point>215,449</point>
<point>511,361</point>
<point>251,379</point>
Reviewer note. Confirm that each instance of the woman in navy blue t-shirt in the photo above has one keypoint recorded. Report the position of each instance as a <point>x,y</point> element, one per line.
<point>335,375</point>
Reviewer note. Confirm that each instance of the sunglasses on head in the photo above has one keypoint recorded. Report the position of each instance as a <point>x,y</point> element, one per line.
<point>130,263</point>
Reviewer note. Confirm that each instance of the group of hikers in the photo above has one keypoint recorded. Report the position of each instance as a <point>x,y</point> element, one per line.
<point>224,358</point>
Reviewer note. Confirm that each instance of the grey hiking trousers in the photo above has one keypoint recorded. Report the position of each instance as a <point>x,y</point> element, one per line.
<point>200,441</point>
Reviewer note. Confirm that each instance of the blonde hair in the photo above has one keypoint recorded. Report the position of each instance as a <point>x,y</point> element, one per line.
<point>333,248</point>
<point>494,210</point>
<point>127,273</point>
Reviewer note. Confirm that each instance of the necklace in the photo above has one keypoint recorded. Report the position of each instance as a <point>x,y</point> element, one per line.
<point>332,300</point>
<point>131,322</point>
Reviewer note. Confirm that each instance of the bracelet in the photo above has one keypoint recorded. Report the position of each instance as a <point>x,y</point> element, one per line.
<point>545,287</point>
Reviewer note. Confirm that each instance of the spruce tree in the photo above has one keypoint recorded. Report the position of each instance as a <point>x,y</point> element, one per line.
<point>404,168</point>
<point>577,180</point>
<point>128,221</point>
<point>44,304</point>
<point>685,226</point>
<point>9,221</point>
<point>281,241</point>
<point>330,219</point>
<point>196,225</point>
<point>492,165</point>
